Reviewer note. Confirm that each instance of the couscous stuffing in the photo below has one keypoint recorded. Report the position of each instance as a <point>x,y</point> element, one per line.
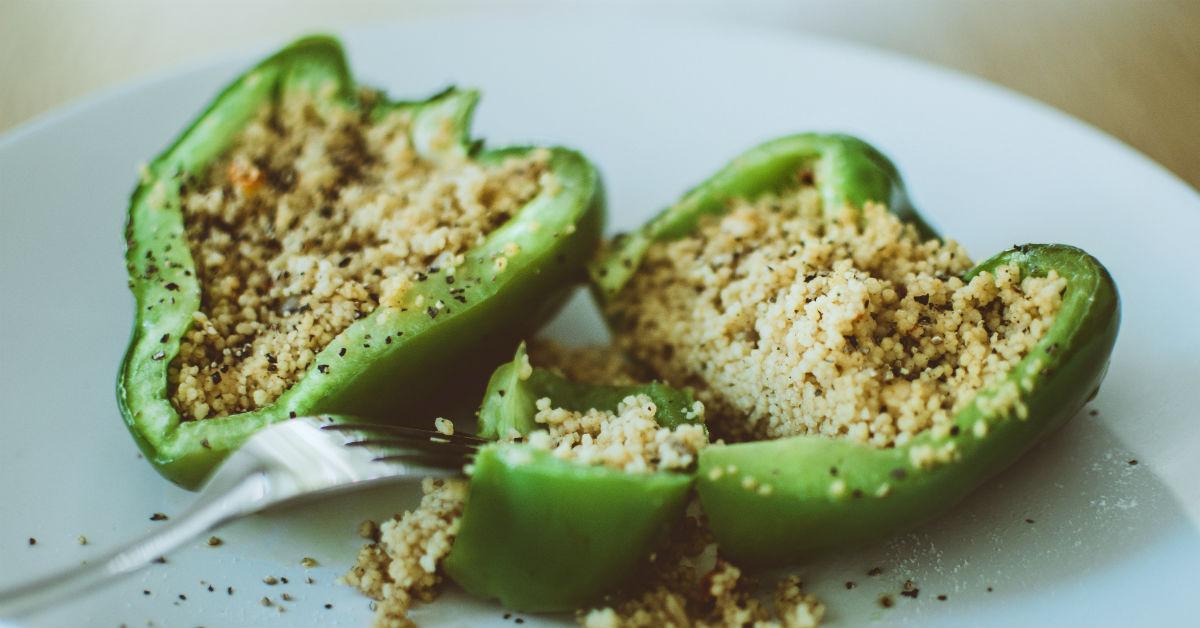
<point>786,322</point>
<point>314,218</point>
<point>628,439</point>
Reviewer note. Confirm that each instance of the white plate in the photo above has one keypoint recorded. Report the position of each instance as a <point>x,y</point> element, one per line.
<point>658,106</point>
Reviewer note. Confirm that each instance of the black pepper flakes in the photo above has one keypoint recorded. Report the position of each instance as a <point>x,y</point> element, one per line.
<point>942,597</point>
<point>172,286</point>
<point>229,590</point>
<point>145,591</point>
<point>431,311</point>
<point>875,571</point>
<point>1133,462</point>
<point>205,444</point>
<point>182,596</point>
<point>342,352</point>
<point>161,560</point>
<point>32,541</point>
<point>850,584</point>
<point>328,605</point>
<point>165,337</point>
<point>323,368</point>
<point>158,516</point>
<point>1028,520</point>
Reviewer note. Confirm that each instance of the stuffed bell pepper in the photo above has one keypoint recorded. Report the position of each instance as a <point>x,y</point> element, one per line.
<point>309,246</point>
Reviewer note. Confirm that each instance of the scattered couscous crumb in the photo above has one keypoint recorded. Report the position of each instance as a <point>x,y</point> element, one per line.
<point>403,567</point>
<point>313,219</point>
<point>368,529</point>
<point>688,585</point>
<point>629,439</point>
<point>83,540</point>
<point>787,322</point>
<point>308,562</point>
<point>214,541</point>
<point>444,426</point>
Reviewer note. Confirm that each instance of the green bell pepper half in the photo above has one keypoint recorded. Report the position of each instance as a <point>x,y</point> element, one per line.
<point>541,534</point>
<point>845,169</point>
<point>775,502</point>
<point>403,356</point>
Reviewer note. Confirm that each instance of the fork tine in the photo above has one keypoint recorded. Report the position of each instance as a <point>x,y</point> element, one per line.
<point>431,461</point>
<point>427,447</point>
<point>406,432</point>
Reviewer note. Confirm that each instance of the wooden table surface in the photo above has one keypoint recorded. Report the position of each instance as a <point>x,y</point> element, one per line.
<point>1129,67</point>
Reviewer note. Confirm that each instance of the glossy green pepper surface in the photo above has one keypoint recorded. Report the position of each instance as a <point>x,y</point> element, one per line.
<point>775,502</point>
<point>487,308</point>
<point>540,533</point>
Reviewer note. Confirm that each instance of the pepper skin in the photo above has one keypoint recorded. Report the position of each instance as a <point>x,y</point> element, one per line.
<point>543,534</point>
<point>412,354</point>
<point>813,493</point>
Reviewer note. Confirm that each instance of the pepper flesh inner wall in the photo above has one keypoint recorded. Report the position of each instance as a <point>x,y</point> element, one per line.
<point>788,322</point>
<point>314,218</point>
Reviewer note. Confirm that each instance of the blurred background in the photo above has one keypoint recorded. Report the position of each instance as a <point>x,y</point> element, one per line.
<point>1129,67</point>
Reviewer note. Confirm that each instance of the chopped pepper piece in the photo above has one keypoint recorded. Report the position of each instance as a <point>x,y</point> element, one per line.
<point>494,304</point>
<point>877,492</point>
<point>540,533</point>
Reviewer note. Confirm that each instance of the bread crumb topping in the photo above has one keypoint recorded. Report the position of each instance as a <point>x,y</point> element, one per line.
<point>313,219</point>
<point>787,322</point>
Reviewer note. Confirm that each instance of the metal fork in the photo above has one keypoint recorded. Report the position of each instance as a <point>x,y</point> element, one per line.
<point>291,461</point>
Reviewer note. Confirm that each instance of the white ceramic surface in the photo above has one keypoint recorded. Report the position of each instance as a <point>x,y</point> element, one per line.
<point>658,106</point>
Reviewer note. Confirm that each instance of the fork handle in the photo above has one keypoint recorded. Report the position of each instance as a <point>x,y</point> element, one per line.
<point>213,509</point>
